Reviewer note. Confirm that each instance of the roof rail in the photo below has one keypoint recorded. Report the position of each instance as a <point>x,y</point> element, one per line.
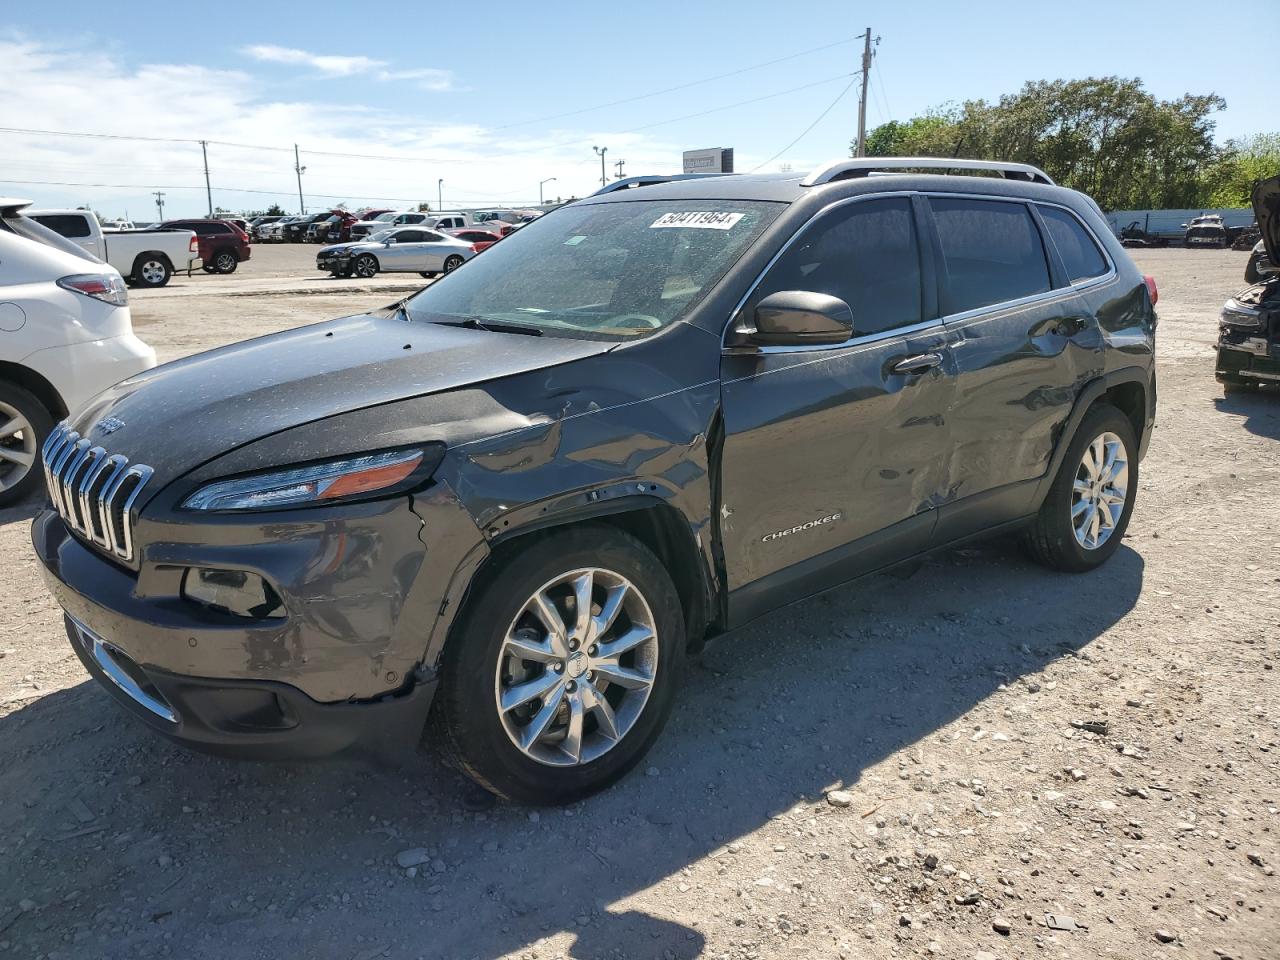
<point>652,178</point>
<point>862,166</point>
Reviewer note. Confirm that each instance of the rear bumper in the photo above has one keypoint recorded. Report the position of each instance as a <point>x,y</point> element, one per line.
<point>83,370</point>
<point>247,719</point>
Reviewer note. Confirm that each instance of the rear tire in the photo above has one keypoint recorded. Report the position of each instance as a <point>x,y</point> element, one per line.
<point>151,270</point>
<point>481,736</point>
<point>224,261</point>
<point>25,423</point>
<point>1080,494</point>
<point>453,263</point>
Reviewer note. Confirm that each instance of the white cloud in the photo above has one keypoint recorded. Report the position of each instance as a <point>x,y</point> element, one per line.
<point>426,78</point>
<point>333,66</point>
<point>80,88</point>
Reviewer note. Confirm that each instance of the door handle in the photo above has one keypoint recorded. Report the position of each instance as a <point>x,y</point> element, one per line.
<point>919,364</point>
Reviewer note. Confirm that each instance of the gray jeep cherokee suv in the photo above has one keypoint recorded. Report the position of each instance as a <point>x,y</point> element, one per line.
<point>521,495</point>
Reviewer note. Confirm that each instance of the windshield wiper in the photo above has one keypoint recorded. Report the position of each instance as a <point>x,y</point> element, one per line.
<point>493,326</point>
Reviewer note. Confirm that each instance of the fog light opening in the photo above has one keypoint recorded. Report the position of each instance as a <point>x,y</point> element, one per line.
<point>236,592</point>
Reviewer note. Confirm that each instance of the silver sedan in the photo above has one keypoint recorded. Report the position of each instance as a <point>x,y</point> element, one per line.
<point>397,250</point>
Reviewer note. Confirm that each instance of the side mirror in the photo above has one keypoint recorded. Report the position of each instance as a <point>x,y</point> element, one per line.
<point>800,318</point>
<point>389,241</point>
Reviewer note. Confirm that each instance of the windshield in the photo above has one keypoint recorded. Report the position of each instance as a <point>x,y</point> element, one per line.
<point>611,270</point>
<point>386,217</point>
<point>380,235</point>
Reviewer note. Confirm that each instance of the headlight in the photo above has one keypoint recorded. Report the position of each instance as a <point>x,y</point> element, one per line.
<point>354,478</point>
<point>1232,317</point>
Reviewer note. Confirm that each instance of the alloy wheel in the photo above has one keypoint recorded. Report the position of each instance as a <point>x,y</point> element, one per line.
<point>226,262</point>
<point>17,446</point>
<point>452,263</point>
<point>576,668</point>
<point>1099,491</point>
<point>365,267</point>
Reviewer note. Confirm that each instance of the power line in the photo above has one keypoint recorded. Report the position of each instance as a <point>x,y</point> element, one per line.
<point>682,86</point>
<point>805,133</point>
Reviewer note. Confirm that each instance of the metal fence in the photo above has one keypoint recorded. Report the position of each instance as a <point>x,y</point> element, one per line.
<point>1172,223</point>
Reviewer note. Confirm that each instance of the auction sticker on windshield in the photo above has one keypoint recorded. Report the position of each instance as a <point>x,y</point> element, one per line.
<point>698,219</point>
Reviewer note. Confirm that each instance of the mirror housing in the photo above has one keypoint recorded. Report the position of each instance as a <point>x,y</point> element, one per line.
<point>389,241</point>
<point>800,318</point>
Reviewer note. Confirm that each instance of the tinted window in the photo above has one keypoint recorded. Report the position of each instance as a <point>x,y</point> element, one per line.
<point>864,253</point>
<point>430,237</point>
<point>992,251</point>
<point>1079,252</point>
<point>66,224</point>
<point>411,236</point>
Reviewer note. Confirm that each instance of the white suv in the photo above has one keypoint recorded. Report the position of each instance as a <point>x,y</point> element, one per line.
<point>65,336</point>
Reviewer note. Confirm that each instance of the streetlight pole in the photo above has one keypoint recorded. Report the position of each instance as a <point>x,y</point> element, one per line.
<point>600,152</point>
<point>298,168</point>
<point>440,195</point>
<point>540,185</point>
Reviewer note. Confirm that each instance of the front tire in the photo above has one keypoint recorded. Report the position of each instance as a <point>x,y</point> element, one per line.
<point>25,423</point>
<point>1086,512</point>
<point>564,667</point>
<point>366,266</point>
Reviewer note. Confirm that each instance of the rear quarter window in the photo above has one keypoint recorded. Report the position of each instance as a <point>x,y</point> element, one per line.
<point>65,224</point>
<point>1078,250</point>
<point>992,252</point>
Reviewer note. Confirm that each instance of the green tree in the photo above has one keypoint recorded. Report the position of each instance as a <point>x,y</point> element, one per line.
<point>1106,136</point>
<point>275,210</point>
<point>1229,180</point>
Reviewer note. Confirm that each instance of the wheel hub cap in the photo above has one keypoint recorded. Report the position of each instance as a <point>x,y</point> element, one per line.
<point>576,667</point>
<point>1100,490</point>
<point>17,446</point>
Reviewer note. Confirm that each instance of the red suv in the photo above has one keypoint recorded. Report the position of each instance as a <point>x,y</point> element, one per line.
<point>222,244</point>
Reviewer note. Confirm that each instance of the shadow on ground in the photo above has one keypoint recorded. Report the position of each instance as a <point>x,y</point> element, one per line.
<point>1258,410</point>
<point>196,857</point>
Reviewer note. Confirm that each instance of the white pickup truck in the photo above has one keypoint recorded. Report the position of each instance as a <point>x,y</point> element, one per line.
<point>145,258</point>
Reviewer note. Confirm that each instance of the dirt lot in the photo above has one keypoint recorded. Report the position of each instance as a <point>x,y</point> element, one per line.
<point>943,704</point>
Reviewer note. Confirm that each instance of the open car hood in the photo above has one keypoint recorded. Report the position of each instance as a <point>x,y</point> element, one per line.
<point>1266,208</point>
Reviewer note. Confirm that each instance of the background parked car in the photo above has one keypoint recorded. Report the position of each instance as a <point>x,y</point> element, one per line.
<point>223,245</point>
<point>480,239</point>
<point>341,231</point>
<point>145,258</point>
<point>240,222</point>
<point>258,226</point>
<point>1206,231</point>
<point>67,335</point>
<point>396,250</point>
<point>296,231</point>
<point>274,232</point>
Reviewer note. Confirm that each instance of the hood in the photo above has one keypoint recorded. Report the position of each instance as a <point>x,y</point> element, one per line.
<point>1266,209</point>
<point>180,415</point>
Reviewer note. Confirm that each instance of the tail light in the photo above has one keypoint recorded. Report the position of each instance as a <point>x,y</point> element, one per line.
<point>1150,281</point>
<point>194,245</point>
<point>475,248</point>
<point>107,287</point>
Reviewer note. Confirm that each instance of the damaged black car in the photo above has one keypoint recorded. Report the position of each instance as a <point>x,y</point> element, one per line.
<point>1249,327</point>
<point>505,508</point>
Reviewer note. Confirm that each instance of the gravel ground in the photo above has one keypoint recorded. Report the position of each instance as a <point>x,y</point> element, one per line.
<point>980,760</point>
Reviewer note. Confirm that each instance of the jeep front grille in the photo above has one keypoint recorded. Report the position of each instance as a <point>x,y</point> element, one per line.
<point>93,491</point>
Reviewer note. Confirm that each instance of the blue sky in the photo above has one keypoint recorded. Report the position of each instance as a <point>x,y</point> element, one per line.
<point>494,97</point>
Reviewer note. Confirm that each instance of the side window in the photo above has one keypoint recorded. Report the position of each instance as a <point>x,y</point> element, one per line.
<point>1079,251</point>
<point>866,254</point>
<point>66,224</point>
<point>992,251</point>
<point>429,237</point>
<point>219,228</point>
<point>411,236</point>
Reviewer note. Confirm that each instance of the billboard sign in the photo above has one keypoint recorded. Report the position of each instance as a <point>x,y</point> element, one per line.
<point>713,160</point>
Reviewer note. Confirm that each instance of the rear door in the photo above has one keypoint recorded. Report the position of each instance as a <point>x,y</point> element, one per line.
<point>1023,340</point>
<point>834,457</point>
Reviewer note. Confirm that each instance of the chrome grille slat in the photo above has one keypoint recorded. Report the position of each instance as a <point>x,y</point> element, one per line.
<point>89,487</point>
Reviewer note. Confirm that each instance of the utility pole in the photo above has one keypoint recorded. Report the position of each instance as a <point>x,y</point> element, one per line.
<point>204,151</point>
<point>618,164</point>
<point>159,195</point>
<point>541,183</point>
<point>600,152</point>
<point>867,56</point>
<point>299,169</point>
<point>440,195</point>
